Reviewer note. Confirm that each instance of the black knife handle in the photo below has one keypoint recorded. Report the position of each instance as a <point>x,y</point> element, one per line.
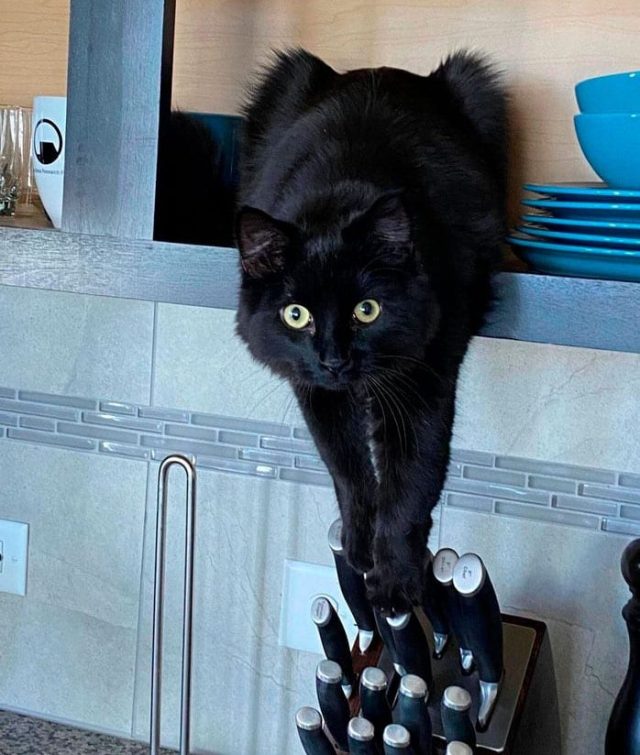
<point>313,738</point>
<point>373,699</point>
<point>333,637</point>
<point>384,630</point>
<point>412,647</point>
<point>480,615</point>
<point>411,712</point>
<point>458,748</point>
<point>351,583</point>
<point>397,740</point>
<point>434,601</point>
<point>333,703</point>
<point>454,712</point>
<point>361,737</point>
<point>444,563</point>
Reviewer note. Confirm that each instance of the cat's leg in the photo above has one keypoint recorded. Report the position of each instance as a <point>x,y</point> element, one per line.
<point>415,456</point>
<point>338,423</point>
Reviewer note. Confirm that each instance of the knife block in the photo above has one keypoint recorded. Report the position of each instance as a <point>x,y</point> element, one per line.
<point>525,720</point>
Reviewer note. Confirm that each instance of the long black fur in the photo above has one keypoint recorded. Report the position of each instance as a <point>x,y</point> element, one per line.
<point>373,184</point>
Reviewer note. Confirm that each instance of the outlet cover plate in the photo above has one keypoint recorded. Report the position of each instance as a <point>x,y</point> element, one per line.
<point>302,584</point>
<point>14,537</point>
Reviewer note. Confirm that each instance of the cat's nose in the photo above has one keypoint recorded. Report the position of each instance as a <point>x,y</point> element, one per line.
<point>335,366</point>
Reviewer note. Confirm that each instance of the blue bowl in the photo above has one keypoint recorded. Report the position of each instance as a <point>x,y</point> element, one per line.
<point>611,144</point>
<point>615,93</point>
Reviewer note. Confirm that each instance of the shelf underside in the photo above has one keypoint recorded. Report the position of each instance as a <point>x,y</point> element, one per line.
<point>545,309</point>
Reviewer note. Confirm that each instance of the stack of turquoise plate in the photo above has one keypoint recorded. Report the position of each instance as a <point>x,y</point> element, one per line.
<point>583,230</point>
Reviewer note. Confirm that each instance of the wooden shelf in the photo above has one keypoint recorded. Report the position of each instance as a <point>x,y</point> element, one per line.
<point>540,308</point>
<point>27,216</point>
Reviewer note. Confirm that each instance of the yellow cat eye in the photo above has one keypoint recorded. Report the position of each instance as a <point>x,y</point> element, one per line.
<point>296,316</point>
<point>367,311</point>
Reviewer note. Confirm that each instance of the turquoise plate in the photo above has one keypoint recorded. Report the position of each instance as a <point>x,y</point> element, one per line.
<point>578,261</point>
<point>587,210</point>
<point>588,239</point>
<point>575,225</point>
<point>585,192</point>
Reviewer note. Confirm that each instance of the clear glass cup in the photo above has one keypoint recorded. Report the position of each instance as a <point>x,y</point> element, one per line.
<point>16,170</point>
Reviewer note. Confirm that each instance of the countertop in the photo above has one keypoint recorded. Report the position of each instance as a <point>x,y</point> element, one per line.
<point>22,735</point>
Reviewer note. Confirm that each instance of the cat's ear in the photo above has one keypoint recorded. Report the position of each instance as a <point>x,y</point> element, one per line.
<point>386,221</point>
<point>263,242</point>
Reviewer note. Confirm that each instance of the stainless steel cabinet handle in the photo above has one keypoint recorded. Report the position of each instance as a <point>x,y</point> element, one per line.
<point>158,599</point>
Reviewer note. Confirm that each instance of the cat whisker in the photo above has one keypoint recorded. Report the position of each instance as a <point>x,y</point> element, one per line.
<point>266,396</point>
<point>401,380</point>
<point>418,363</point>
<point>396,413</point>
<point>392,392</point>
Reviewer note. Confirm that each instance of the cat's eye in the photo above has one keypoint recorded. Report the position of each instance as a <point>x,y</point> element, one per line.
<point>367,311</point>
<point>296,316</point>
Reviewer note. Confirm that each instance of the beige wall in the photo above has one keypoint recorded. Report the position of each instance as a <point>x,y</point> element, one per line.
<point>34,36</point>
<point>544,45</point>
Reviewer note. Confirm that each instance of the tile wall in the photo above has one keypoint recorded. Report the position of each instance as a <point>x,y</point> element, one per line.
<point>544,484</point>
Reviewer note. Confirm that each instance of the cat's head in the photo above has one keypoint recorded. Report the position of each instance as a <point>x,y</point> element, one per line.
<point>332,307</point>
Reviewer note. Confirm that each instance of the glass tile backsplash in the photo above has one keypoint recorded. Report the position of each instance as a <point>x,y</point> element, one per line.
<point>541,490</point>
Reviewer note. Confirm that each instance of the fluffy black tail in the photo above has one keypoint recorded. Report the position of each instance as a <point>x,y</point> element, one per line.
<point>290,84</point>
<point>478,91</point>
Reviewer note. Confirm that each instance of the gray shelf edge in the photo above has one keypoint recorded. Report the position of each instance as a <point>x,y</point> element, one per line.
<point>581,312</point>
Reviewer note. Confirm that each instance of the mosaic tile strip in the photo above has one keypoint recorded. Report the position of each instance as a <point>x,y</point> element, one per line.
<point>478,481</point>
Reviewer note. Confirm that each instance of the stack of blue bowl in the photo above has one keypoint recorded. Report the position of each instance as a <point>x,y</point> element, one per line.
<point>592,229</point>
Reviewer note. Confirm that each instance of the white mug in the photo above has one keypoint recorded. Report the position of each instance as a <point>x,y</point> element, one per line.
<point>47,151</point>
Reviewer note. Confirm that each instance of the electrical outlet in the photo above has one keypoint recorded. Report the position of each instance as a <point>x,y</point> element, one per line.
<point>14,539</point>
<point>302,584</point>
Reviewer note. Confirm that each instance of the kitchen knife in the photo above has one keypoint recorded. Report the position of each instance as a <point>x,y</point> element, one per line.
<point>334,640</point>
<point>353,589</point>
<point>361,737</point>
<point>384,630</point>
<point>443,565</point>
<point>435,607</point>
<point>333,703</point>
<point>454,712</point>
<point>412,648</point>
<point>313,738</point>
<point>411,712</point>
<point>458,748</point>
<point>373,699</point>
<point>397,739</point>
<point>481,612</point>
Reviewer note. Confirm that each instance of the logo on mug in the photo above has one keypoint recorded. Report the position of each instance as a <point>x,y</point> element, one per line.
<point>47,141</point>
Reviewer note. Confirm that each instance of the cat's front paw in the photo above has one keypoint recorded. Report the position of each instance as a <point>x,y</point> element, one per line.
<point>358,549</point>
<point>394,588</point>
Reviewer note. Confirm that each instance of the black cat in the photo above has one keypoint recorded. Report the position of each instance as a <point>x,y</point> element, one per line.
<point>372,213</point>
